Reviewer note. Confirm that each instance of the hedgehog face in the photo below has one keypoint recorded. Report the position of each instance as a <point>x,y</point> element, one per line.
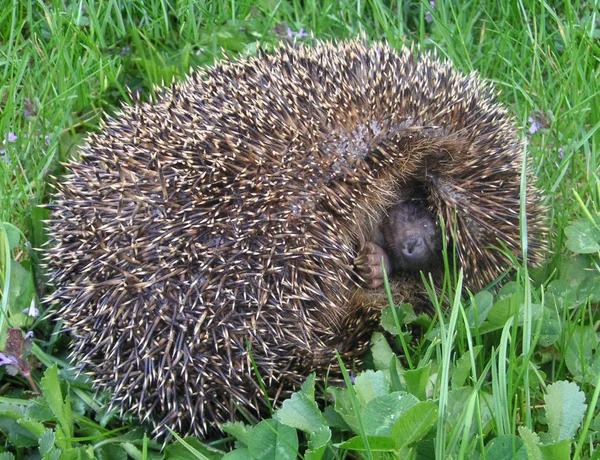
<point>412,236</point>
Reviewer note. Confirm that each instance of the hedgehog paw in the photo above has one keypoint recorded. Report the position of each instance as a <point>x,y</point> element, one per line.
<point>368,264</point>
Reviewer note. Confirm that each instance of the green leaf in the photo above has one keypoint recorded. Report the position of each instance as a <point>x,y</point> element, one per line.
<point>382,353</point>
<point>239,430</point>
<point>272,440</point>
<point>191,445</point>
<point>50,386</point>
<point>508,303</point>
<point>20,296</point>
<point>506,447</point>
<point>52,393</point>
<point>410,317</point>
<point>46,441</point>
<point>17,435</point>
<point>33,426</point>
<point>78,453</point>
<point>462,368</point>
<point>589,289</point>
<point>380,414</point>
<point>185,448</point>
<point>415,423</point>
<point>396,383</point>
<point>333,419</point>
<point>12,411</point>
<point>343,407</point>
<point>565,409</point>
<point>550,330</point>
<point>38,411</point>
<point>458,399</point>
<point>575,270</point>
<point>369,385</point>
<point>237,454</point>
<point>301,411</point>
<point>13,235</point>
<point>376,444</point>
<point>479,309</point>
<point>388,322</point>
<point>134,452</point>
<point>532,443</point>
<point>417,381</point>
<point>556,451</point>
<point>582,358</point>
<point>561,295</point>
<point>308,387</point>
<point>583,237</point>
<point>317,444</point>
<point>111,451</point>
<point>68,416</point>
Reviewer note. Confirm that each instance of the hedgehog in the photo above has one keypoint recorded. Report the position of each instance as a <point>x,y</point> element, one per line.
<point>228,232</point>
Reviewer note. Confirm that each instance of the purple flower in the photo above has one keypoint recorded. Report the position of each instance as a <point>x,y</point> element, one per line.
<point>32,310</point>
<point>16,359</point>
<point>29,335</point>
<point>352,377</point>
<point>300,34</point>
<point>428,17</point>
<point>8,360</point>
<point>124,50</point>
<point>47,138</point>
<point>560,153</point>
<point>535,125</point>
<point>10,137</point>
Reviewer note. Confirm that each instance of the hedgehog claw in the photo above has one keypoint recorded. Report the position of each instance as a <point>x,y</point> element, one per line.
<point>368,264</point>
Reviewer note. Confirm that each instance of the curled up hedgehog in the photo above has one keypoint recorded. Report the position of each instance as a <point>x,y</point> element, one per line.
<point>243,217</point>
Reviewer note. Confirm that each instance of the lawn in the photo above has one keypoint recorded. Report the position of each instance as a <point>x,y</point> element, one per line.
<point>513,372</point>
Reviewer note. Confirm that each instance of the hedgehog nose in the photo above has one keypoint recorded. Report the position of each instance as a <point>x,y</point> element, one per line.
<point>414,247</point>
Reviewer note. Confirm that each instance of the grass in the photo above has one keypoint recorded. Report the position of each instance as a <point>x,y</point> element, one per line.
<point>505,383</point>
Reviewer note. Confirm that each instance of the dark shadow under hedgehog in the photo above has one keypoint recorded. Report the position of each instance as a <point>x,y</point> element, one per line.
<point>228,217</point>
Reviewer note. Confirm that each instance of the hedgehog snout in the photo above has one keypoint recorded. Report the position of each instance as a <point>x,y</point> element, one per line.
<point>413,248</point>
<point>414,253</point>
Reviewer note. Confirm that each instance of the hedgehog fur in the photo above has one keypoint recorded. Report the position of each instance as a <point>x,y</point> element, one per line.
<point>220,225</point>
